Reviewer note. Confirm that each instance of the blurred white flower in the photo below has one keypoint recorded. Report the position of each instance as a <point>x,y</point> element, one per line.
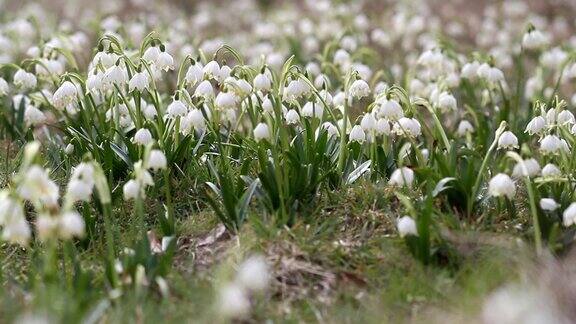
<point>507,141</point>
<point>402,177</point>
<point>502,185</point>
<point>261,132</point>
<point>357,134</point>
<point>142,137</point>
<point>548,204</point>
<point>569,215</point>
<point>253,274</point>
<point>407,226</point>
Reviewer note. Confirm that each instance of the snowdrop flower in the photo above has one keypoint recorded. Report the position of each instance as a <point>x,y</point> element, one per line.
<point>139,81</point>
<point>551,144</point>
<point>402,177</point>
<point>261,132</point>
<point>548,204</point>
<point>4,88</point>
<point>382,127</point>
<point>37,187</point>
<point>164,61</point>
<point>197,119</point>
<point>176,109</point>
<point>391,110</point>
<point>407,127</point>
<point>233,301</point>
<point>359,89</point>
<point>532,168</point>
<point>490,74</point>
<point>81,183</point>
<point>131,189</point>
<point>253,274</point>
<point>312,109</point>
<point>536,125</point>
<point>115,75</point>
<point>142,137</point>
<point>71,224</point>
<point>204,90</point>
<point>407,227</point>
<point>507,140</point>
<point>211,69</point>
<point>446,102</point>
<point>368,122</point>
<point>357,134</point>
<point>569,215</point>
<point>25,80</point>
<point>156,160</point>
<point>470,70</point>
<point>46,226</point>
<point>33,115</point>
<point>501,185</point>
<point>151,54</point>
<point>565,117</point>
<point>533,39</point>
<point>292,117</point>
<point>330,128</point>
<point>262,82</point>
<point>12,219</point>
<point>225,100</point>
<point>550,170</point>
<point>95,82</point>
<point>65,95</point>
<point>149,111</point>
<point>464,127</point>
<point>194,74</point>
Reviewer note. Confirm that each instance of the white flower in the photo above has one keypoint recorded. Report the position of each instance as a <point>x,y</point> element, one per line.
<point>391,110</point>
<point>490,74</point>
<point>142,137</point>
<point>37,187</point>
<point>469,70</point>
<point>507,140</point>
<point>95,82</point>
<point>233,301</point>
<point>151,54</point>
<point>402,177</point>
<point>156,160</point>
<point>33,115</point>
<point>357,134</point>
<point>551,144</point>
<point>292,117</point>
<point>330,128</point>
<point>78,190</point>
<point>149,111</point>
<point>261,132</point>
<point>368,122</point>
<point>17,232</point>
<point>204,90</point>
<point>4,88</point>
<point>211,69</point>
<point>65,95</point>
<point>533,40</point>
<point>194,74</point>
<point>383,127</point>
<point>446,102</point>
<point>407,127</point>
<point>176,109</point>
<point>536,125</point>
<point>69,149</point>
<point>13,221</point>
<point>71,225</point>
<point>359,89</point>
<point>225,100</point>
<point>115,75</point>
<point>548,204</point>
<point>253,274</point>
<point>139,81</point>
<point>550,170</point>
<point>569,215</point>
<point>25,80</point>
<point>131,189</point>
<point>47,226</point>
<point>532,168</point>
<point>164,61</point>
<point>465,127</point>
<point>312,109</point>
<point>573,130</point>
<point>565,117</point>
<point>502,185</point>
<point>407,226</point>
<point>197,119</point>
<point>262,82</point>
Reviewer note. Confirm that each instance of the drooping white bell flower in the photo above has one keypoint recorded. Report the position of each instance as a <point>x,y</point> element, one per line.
<point>233,302</point>
<point>550,170</point>
<point>507,141</point>
<point>115,75</point>
<point>464,127</point>
<point>312,109</point>
<point>359,89</point>
<point>211,69</point>
<point>292,117</point>
<point>391,110</point>
<point>401,177</point>
<point>551,144</point>
<point>357,134</point>
<point>140,81</point>
<point>142,137</point>
<point>4,88</point>
<point>407,226</point>
<point>447,102</point>
<point>565,117</point>
<point>37,187</point>
<point>65,95</point>
<point>534,39</point>
<point>25,80</point>
<point>536,125</point>
<point>253,274</point>
<point>164,61</point>
<point>151,54</point>
<point>204,90</point>
<point>71,224</point>
<point>156,160</point>
<point>194,74</point>
<point>569,215</point>
<point>407,127</point>
<point>470,70</point>
<point>226,100</point>
<point>502,185</point>
<point>176,109</point>
<point>526,168</point>
<point>548,204</point>
<point>368,122</point>
<point>383,127</point>
<point>261,132</point>
<point>262,82</point>
<point>33,115</point>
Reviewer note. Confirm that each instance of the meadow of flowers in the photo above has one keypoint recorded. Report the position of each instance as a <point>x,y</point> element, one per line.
<point>306,161</point>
